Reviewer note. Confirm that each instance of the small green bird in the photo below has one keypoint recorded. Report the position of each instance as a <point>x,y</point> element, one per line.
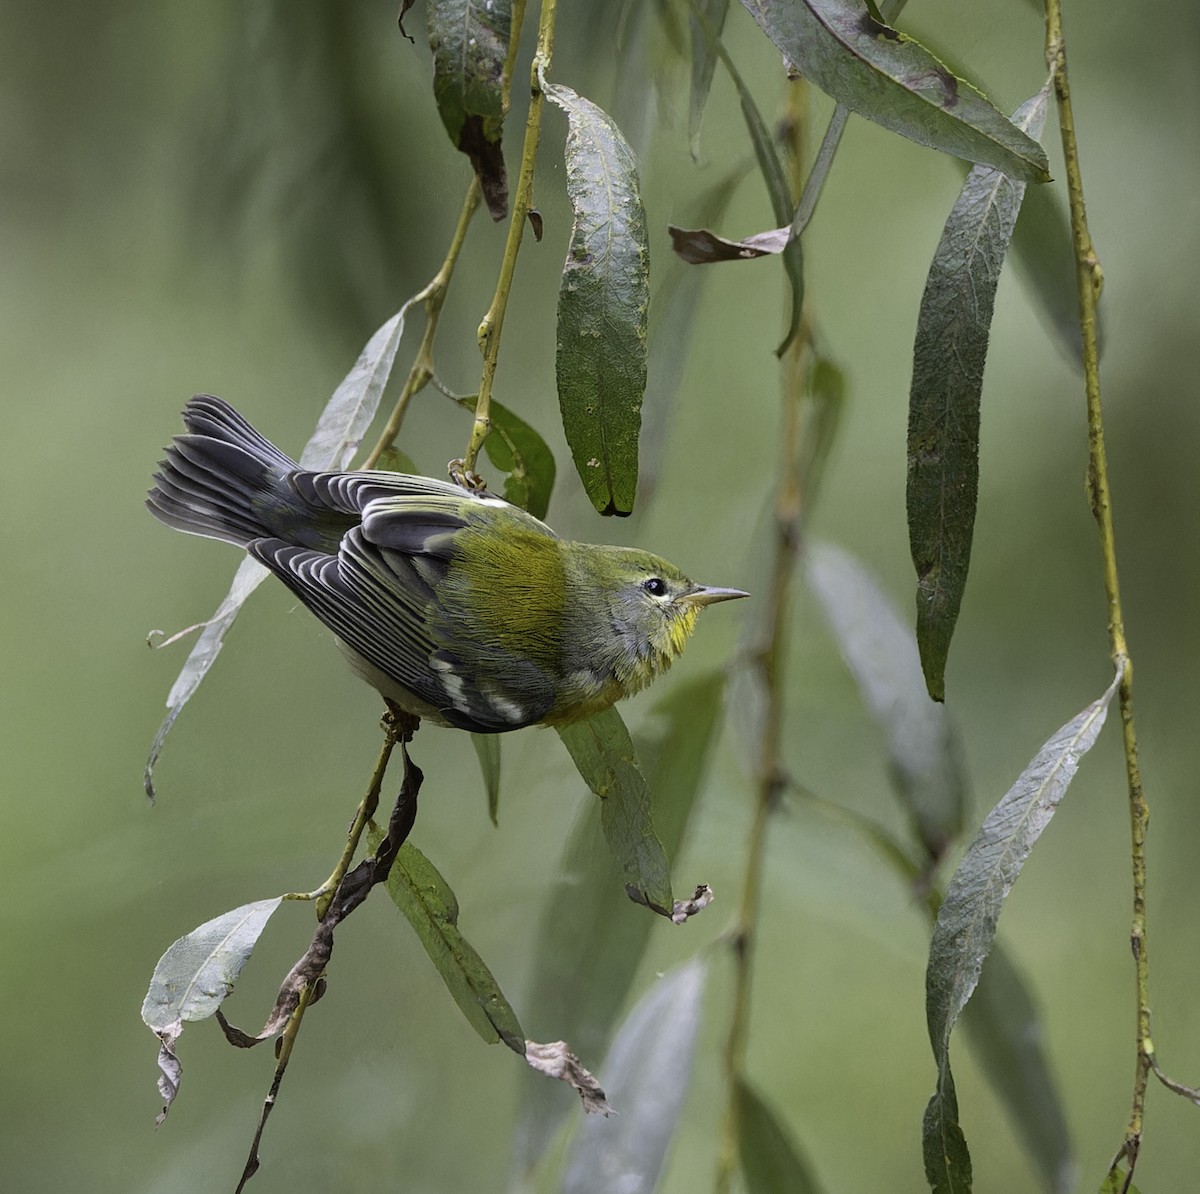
<point>457,606</point>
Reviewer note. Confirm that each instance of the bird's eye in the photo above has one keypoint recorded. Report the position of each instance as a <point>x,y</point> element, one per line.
<point>655,586</point>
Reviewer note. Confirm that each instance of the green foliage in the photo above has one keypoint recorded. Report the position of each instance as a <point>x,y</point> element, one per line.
<point>592,943</point>
<point>470,44</point>
<point>943,413</point>
<point>894,81</point>
<point>424,897</point>
<point>603,753</point>
<point>603,306</point>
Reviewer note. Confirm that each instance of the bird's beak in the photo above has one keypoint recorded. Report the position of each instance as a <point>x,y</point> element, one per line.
<point>704,595</point>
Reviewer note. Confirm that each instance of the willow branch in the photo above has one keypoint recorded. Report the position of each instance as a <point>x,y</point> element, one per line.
<point>769,666</point>
<point>1089,279</point>
<point>493,322</point>
<point>434,297</point>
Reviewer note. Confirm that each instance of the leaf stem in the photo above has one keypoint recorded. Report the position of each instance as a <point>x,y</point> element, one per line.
<point>769,664</point>
<point>1089,281</point>
<point>493,322</point>
<point>433,296</point>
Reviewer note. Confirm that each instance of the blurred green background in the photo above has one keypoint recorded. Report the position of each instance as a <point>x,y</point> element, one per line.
<point>231,198</point>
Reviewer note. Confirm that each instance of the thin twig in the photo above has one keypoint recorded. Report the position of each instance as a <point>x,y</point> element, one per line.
<point>305,981</point>
<point>434,297</point>
<point>769,663</point>
<point>493,322</point>
<point>1089,279</point>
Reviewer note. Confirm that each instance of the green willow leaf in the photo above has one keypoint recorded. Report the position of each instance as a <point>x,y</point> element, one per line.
<point>342,424</point>
<point>771,1161</point>
<point>704,62</point>
<point>966,923</point>
<point>470,44</point>
<point>424,897</point>
<point>487,748</point>
<point>947,380</point>
<point>646,1076</point>
<point>524,457</point>
<point>590,942</point>
<point>603,301</point>
<point>604,756</point>
<point>1005,1036</point>
<point>892,80</point>
<point>879,651</point>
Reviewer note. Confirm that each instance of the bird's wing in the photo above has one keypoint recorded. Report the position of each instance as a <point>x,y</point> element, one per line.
<point>383,602</point>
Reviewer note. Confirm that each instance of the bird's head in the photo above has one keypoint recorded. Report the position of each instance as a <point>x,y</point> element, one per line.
<point>652,608</point>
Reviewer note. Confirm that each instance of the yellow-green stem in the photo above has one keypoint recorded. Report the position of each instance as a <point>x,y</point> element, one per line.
<point>1089,277</point>
<point>365,811</point>
<point>493,322</point>
<point>769,665</point>
<point>433,296</point>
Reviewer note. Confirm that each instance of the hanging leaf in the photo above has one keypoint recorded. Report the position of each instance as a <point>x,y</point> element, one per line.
<point>487,748</point>
<point>193,978</point>
<point>771,1161</point>
<point>966,923</point>
<point>1044,256</point>
<point>704,62</point>
<point>646,1075</point>
<point>892,80</point>
<point>603,302</point>
<point>518,451</point>
<point>822,417</point>
<point>590,942</point>
<point>1005,1034</point>
<point>470,43</point>
<point>879,651</point>
<point>424,897</point>
<point>771,168</point>
<point>603,754</point>
<point>943,417</point>
<point>342,424</point>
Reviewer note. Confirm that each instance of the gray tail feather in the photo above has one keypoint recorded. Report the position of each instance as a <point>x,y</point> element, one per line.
<point>222,480</point>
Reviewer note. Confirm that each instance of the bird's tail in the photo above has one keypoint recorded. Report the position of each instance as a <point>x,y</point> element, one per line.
<point>223,480</point>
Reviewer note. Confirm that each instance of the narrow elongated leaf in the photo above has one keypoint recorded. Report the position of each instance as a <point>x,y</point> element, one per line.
<point>590,942</point>
<point>943,1145</point>
<point>424,897</point>
<point>520,452</point>
<point>892,80</point>
<point>1045,258</point>
<point>704,62</point>
<point>943,413</point>
<point>646,1078</point>
<point>603,302</point>
<point>487,748</point>
<point>879,650</point>
<point>771,1161</point>
<point>1005,1036</point>
<point>342,424</point>
<point>966,923</point>
<point>192,980</point>
<point>604,756</point>
<point>470,44</point>
<point>771,168</point>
